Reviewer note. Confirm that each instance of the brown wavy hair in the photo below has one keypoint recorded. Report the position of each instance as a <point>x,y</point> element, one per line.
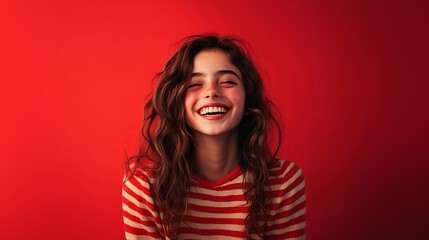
<point>168,141</point>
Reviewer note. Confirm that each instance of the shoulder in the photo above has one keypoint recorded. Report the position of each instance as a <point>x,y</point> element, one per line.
<point>286,201</point>
<point>141,216</point>
<point>284,174</point>
<point>280,168</point>
<point>140,179</point>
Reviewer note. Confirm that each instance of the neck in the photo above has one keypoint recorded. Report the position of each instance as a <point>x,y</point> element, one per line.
<point>216,156</point>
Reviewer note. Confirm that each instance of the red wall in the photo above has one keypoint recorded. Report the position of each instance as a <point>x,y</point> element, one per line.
<point>351,81</point>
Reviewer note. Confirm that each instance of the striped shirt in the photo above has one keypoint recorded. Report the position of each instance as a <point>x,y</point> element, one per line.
<point>217,210</point>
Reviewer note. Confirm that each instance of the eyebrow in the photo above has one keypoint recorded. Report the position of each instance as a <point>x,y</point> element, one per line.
<point>218,73</point>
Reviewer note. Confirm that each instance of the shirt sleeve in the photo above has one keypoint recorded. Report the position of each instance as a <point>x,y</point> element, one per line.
<point>288,203</point>
<point>141,217</point>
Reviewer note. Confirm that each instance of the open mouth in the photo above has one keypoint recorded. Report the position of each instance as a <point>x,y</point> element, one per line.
<point>213,111</point>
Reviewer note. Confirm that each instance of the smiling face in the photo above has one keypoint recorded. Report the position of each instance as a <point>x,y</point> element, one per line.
<point>215,97</point>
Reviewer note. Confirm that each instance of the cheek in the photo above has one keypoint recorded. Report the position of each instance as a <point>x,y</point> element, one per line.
<point>238,97</point>
<point>189,102</point>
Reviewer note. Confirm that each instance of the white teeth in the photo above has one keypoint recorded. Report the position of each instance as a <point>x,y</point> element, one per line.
<point>212,110</point>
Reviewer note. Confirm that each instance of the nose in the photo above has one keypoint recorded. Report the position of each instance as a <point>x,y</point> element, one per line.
<point>212,91</point>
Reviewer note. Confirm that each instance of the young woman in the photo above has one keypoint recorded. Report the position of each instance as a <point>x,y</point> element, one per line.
<point>205,170</point>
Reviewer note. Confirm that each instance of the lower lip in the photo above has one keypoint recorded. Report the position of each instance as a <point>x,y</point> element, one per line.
<point>214,117</point>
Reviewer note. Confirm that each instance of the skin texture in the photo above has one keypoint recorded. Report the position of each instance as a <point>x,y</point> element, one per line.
<point>216,83</point>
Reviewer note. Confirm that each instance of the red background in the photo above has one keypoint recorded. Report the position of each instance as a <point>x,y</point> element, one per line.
<point>350,78</point>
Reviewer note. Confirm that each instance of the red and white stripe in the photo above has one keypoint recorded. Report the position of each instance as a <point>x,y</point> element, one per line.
<point>217,210</point>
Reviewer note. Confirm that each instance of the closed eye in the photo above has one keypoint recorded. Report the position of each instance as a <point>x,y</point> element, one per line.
<point>193,85</point>
<point>228,83</point>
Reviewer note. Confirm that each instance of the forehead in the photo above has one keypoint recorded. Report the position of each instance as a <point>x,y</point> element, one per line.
<point>213,60</point>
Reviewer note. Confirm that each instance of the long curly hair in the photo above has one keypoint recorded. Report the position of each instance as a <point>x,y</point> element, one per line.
<point>168,141</point>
